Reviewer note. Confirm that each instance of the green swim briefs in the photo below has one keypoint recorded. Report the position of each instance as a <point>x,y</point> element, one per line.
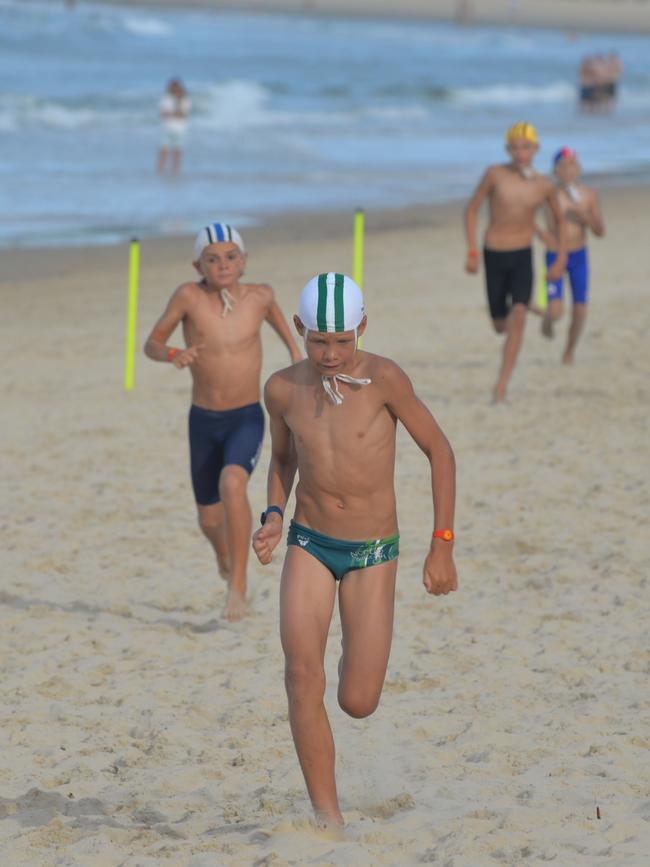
<point>342,555</point>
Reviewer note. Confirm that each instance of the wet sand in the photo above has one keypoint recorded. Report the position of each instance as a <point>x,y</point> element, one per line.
<point>631,16</point>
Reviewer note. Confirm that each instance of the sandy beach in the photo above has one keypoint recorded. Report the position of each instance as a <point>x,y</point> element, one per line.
<point>139,729</point>
<point>596,15</point>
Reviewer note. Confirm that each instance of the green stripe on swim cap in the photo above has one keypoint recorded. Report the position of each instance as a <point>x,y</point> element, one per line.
<point>321,310</point>
<point>339,313</point>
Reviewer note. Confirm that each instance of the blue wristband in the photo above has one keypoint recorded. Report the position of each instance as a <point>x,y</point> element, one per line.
<point>264,515</point>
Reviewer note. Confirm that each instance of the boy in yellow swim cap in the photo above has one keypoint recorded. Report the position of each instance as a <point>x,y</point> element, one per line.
<point>515,191</point>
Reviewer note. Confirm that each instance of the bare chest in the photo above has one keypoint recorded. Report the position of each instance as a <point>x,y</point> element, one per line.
<point>359,428</point>
<point>210,323</point>
<point>516,195</point>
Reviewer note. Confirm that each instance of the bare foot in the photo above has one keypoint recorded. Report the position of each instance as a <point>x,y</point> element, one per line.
<point>547,327</point>
<point>236,606</point>
<point>329,819</point>
<point>567,358</point>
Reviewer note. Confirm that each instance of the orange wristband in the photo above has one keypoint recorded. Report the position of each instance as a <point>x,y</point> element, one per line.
<point>171,353</point>
<point>472,252</point>
<point>447,535</point>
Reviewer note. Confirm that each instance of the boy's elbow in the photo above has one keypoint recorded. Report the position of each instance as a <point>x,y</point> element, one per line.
<point>441,452</point>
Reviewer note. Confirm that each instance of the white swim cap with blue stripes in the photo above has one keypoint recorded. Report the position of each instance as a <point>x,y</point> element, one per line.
<point>213,234</point>
<point>331,302</point>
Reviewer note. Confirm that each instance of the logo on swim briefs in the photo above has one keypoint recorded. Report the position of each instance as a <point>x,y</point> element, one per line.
<point>373,552</point>
<point>303,541</point>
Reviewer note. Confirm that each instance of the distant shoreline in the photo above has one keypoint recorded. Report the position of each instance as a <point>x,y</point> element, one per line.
<point>326,224</point>
<point>603,16</point>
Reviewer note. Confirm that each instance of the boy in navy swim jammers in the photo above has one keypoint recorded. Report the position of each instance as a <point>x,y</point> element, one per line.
<point>333,419</point>
<point>222,319</point>
<point>580,206</point>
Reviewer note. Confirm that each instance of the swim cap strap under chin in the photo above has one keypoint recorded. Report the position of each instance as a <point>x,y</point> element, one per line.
<point>333,391</point>
<point>227,300</point>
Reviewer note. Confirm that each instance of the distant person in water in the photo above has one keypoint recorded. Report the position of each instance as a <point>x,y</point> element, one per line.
<point>514,190</point>
<point>580,206</point>
<point>599,80</point>
<point>174,110</point>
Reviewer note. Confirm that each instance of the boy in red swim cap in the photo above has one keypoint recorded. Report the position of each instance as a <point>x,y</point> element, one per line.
<point>580,206</point>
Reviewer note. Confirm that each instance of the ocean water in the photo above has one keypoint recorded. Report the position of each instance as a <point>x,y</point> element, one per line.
<point>289,113</point>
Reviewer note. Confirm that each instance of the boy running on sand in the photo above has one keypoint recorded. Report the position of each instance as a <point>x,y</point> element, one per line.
<point>333,418</point>
<point>514,191</point>
<point>222,320</point>
<point>580,206</point>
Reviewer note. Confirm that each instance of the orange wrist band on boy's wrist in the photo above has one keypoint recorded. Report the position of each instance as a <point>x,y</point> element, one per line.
<point>171,353</point>
<point>447,535</point>
<point>473,251</point>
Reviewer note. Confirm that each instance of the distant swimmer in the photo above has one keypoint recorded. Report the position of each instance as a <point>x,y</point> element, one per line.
<point>580,206</point>
<point>514,192</point>
<point>174,111</point>
<point>334,419</point>
<point>599,79</point>
<point>222,319</point>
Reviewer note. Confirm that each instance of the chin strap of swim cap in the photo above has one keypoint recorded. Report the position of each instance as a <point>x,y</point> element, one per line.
<point>333,392</point>
<point>227,300</point>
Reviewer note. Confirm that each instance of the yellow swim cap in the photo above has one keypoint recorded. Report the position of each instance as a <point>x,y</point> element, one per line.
<point>524,130</point>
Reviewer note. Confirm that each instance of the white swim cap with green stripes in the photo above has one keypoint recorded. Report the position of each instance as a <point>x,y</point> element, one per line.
<point>331,302</point>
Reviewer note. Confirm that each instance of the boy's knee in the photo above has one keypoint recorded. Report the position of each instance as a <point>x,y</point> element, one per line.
<point>209,522</point>
<point>232,482</point>
<point>301,678</point>
<point>518,313</point>
<point>357,704</point>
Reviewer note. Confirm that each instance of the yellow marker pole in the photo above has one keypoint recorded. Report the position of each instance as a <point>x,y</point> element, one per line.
<point>542,294</point>
<point>131,315</point>
<point>357,267</point>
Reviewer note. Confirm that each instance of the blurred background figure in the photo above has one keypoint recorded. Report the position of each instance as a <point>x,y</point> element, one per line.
<point>174,111</point>
<point>464,12</point>
<point>599,77</point>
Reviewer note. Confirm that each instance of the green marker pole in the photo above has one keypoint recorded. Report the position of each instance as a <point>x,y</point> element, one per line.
<point>357,266</point>
<point>131,315</point>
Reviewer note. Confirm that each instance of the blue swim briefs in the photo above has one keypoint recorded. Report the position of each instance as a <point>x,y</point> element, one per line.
<point>577,267</point>
<point>219,438</point>
<point>341,556</point>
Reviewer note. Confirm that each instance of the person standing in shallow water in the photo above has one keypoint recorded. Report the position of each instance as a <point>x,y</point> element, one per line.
<point>222,319</point>
<point>333,419</point>
<point>514,191</point>
<point>174,110</point>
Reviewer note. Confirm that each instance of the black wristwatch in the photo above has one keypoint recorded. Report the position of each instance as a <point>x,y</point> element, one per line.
<point>264,514</point>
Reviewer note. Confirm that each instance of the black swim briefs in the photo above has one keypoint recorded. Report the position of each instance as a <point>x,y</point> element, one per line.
<point>508,278</point>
